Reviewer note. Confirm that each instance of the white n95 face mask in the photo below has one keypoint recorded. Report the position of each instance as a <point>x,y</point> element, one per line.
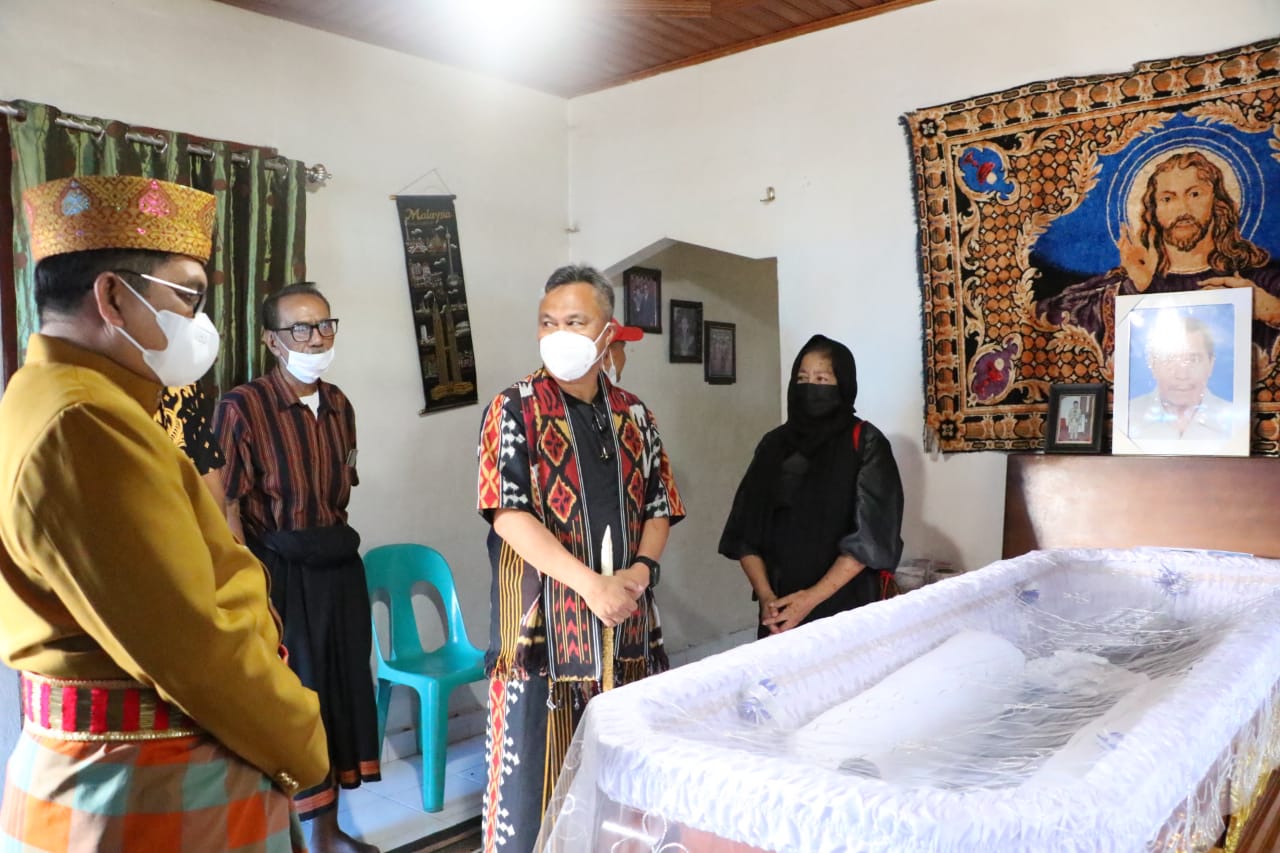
<point>308,367</point>
<point>569,355</point>
<point>191,350</point>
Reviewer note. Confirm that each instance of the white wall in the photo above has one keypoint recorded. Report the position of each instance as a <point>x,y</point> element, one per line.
<point>709,431</point>
<point>377,120</point>
<point>686,155</point>
<point>683,155</point>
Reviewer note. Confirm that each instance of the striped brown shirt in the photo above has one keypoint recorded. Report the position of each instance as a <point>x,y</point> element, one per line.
<point>289,468</point>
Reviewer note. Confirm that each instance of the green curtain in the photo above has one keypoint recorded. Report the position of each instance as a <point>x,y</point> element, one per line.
<point>259,244</point>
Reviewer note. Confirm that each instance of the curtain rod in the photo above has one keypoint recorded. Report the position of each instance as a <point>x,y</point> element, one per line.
<point>316,174</point>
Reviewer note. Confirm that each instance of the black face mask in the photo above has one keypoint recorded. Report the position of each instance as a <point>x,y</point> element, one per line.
<point>819,400</point>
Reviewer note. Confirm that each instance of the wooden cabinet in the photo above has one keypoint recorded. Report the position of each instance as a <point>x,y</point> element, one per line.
<point>1218,503</point>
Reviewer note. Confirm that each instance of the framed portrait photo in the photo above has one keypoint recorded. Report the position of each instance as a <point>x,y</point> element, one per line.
<point>1076,414</point>
<point>686,332</point>
<point>642,292</point>
<point>720,366</point>
<point>1182,367</point>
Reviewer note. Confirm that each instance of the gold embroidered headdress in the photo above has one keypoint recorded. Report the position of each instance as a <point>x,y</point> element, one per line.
<point>118,212</point>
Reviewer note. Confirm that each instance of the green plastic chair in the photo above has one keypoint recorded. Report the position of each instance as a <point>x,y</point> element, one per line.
<point>392,572</point>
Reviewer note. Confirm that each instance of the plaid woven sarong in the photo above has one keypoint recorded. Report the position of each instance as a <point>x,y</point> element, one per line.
<point>170,794</point>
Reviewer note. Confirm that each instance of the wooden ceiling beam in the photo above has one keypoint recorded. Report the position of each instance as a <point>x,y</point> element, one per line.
<point>834,21</point>
<point>710,34</point>
<point>838,7</point>
<point>745,20</point>
<point>668,8</point>
<point>785,10</point>
<point>625,40</point>
<point>635,41</point>
<point>719,7</point>
<point>670,32</point>
<point>767,19</point>
<point>813,9</point>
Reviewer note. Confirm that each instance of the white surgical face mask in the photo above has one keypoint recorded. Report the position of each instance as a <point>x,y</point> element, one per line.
<point>192,345</point>
<point>569,355</point>
<point>611,370</point>
<point>308,367</point>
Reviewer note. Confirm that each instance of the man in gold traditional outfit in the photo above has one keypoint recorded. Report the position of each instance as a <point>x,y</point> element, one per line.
<point>158,712</point>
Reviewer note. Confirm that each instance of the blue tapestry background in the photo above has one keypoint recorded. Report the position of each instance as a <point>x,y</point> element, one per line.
<point>1038,205</point>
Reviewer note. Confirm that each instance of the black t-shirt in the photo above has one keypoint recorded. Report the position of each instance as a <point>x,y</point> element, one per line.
<point>598,466</point>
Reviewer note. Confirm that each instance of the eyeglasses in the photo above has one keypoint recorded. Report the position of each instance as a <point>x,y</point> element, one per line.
<point>192,298</point>
<point>606,438</point>
<point>302,331</point>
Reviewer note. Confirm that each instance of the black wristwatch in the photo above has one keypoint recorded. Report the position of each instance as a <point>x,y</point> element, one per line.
<point>655,570</point>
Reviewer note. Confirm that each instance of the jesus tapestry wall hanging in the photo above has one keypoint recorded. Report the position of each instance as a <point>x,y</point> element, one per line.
<point>1039,205</point>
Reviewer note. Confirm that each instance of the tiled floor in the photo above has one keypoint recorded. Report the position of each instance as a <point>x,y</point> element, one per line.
<point>389,815</point>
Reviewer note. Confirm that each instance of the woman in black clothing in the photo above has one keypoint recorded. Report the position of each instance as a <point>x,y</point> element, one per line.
<point>818,514</point>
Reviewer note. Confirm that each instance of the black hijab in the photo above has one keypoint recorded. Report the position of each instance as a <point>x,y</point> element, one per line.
<point>814,490</point>
<point>825,443</point>
<point>803,432</point>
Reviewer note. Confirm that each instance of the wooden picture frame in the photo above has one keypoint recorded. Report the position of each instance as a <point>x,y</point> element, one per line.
<point>1182,368</point>
<point>686,332</point>
<point>720,366</point>
<point>642,295</point>
<point>1076,415</point>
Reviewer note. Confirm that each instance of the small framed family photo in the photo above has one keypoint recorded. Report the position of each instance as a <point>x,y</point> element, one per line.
<point>721,364</point>
<point>1182,365</point>
<point>1076,413</point>
<point>642,293</point>
<point>686,332</point>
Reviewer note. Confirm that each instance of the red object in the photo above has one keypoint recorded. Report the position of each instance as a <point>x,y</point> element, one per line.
<point>626,333</point>
<point>97,709</point>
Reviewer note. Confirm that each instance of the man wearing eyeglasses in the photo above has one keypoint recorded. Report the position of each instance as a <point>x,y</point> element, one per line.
<point>157,711</point>
<point>289,439</point>
<point>567,459</point>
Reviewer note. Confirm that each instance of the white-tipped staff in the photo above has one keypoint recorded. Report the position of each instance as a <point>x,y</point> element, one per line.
<point>606,569</point>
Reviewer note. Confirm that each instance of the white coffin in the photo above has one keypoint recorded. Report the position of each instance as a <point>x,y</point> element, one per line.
<point>1179,653</point>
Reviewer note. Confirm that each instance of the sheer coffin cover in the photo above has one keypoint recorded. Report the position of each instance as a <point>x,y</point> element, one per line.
<point>1122,701</point>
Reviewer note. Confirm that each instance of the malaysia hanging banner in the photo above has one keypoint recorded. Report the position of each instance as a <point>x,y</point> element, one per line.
<point>438,299</point>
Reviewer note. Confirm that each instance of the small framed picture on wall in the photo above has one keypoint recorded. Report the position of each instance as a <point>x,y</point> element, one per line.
<point>642,293</point>
<point>686,332</point>
<point>1076,413</point>
<point>721,364</point>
